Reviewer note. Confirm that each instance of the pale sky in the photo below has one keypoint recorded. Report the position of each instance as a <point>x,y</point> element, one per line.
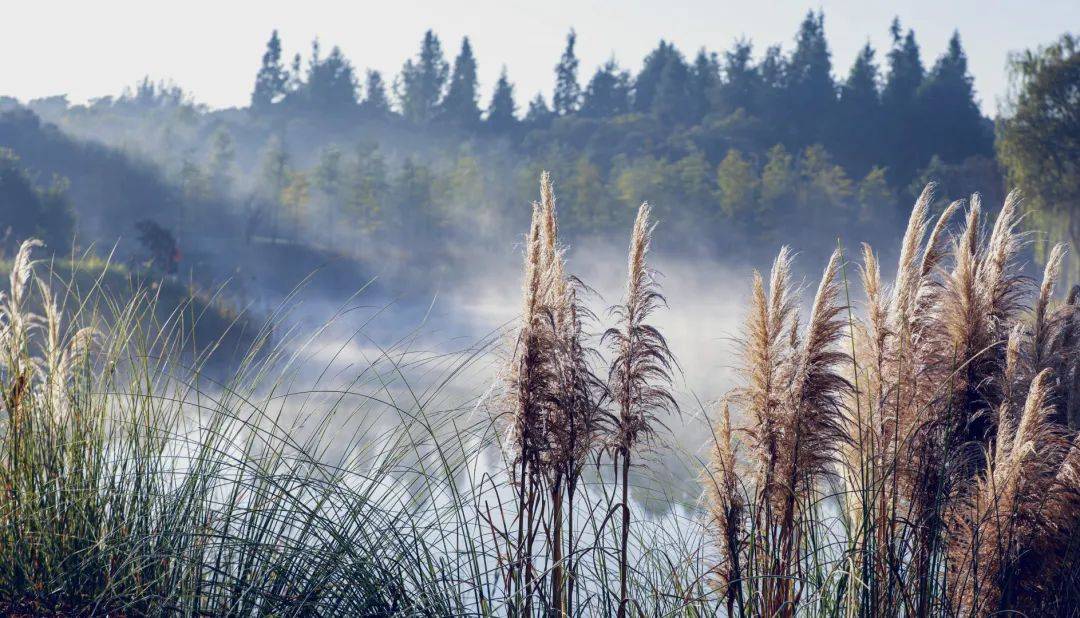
<point>212,48</point>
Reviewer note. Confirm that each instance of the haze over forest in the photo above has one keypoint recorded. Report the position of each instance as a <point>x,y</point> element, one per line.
<point>422,179</point>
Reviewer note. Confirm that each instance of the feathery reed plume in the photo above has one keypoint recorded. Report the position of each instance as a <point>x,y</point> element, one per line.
<point>577,424</point>
<point>549,225</point>
<point>557,422</point>
<point>812,429</point>
<point>999,279</point>
<point>17,322</point>
<point>726,506</point>
<point>529,395</point>
<point>533,267</point>
<point>928,289</point>
<point>556,402</point>
<point>640,374</point>
<point>968,335</point>
<point>909,271</point>
<point>794,398</point>
<point>572,413</point>
<point>551,265</point>
<point>962,479</point>
<point>865,448</point>
<point>59,357</point>
<point>972,318</point>
<point>1011,514</point>
<point>1012,373</point>
<point>934,251</point>
<point>876,309</point>
<point>945,443</point>
<point>909,348</point>
<point>1068,361</point>
<point>1045,327</point>
<point>871,341</point>
<point>767,353</point>
<point>768,349</point>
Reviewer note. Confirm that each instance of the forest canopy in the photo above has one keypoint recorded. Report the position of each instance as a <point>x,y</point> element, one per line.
<point>741,145</point>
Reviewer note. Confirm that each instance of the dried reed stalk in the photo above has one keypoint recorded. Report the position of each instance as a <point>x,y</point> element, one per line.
<point>639,377</point>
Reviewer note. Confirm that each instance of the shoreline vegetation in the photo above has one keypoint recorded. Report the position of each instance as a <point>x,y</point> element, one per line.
<point>900,449</point>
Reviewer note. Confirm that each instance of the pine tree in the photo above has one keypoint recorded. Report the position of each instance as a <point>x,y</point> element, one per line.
<point>331,83</point>
<point>704,80</point>
<point>294,79</point>
<point>567,94</point>
<point>501,113</point>
<point>421,83</point>
<point>460,105</point>
<point>647,82</point>
<point>906,70</point>
<point>899,107</point>
<point>376,104</point>
<point>672,101</point>
<point>810,83</point>
<point>538,115</point>
<point>608,92</point>
<point>773,69</point>
<point>954,128</point>
<point>860,89</point>
<point>770,99</point>
<point>741,87</point>
<point>271,80</point>
<point>858,144</point>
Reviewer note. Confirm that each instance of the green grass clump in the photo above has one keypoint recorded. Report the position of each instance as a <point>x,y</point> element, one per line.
<point>134,482</point>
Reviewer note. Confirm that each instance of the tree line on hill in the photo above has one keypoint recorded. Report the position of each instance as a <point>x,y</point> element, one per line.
<point>864,119</point>
<point>767,141</point>
<point>738,146</point>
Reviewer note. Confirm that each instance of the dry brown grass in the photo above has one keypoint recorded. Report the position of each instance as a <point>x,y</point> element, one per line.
<point>944,409</point>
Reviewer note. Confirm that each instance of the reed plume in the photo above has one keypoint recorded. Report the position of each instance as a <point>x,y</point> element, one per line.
<point>1013,512</point>
<point>767,355</point>
<point>812,430</point>
<point>529,393</point>
<point>639,377</point>
<point>865,449</point>
<point>947,422</point>
<point>793,399</point>
<point>60,353</point>
<point>556,402</point>
<point>726,505</point>
<point>1048,330</point>
<point>16,321</point>
<point>573,416</point>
